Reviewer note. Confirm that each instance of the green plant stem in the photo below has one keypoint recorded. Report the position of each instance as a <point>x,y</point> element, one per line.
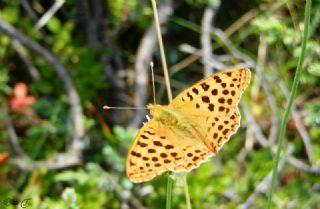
<point>169,192</point>
<point>294,87</point>
<point>186,191</point>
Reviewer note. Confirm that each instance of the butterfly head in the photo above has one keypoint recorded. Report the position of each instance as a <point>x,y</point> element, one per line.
<point>157,111</point>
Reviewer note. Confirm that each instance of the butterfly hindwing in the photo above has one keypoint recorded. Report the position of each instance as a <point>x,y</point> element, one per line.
<point>153,151</point>
<point>217,129</point>
<point>190,140</point>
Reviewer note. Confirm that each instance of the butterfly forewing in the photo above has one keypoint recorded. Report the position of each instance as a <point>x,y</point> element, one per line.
<point>215,95</point>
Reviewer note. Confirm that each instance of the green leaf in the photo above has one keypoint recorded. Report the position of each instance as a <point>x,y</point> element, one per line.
<point>10,14</point>
<point>314,69</point>
<point>54,25</point>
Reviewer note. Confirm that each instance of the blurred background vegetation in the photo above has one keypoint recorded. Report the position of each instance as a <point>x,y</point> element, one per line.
<point>62,60</point>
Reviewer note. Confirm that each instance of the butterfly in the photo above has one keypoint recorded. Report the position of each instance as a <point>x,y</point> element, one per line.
<point>189,130</point>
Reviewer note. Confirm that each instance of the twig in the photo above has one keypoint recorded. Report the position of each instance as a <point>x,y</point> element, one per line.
<point>303,166</point>
<point>183,63</point>
<point>248,62</point>
<point>214,63</point>
<point>145,51</point>
<point>88,15</point>
<point>248,146</point>
<point>174,83</point>
<point>94,25</point>
<point>57,161</point>
<point>207,20</point>
<point>262,53</point>
<point>46,17</point>
<point>34,73</point>
<point>27,7</point>
<point>12,136</point>
<point>232,195</point>
<point>25,4</point>
<point>315,188</point>
<point>261,81</point>
<point>161,49</point>
<point>275,121</point>
<point>124,194</point>
<point>264,143</point>
<point>254,126</point>
<point>240,22</point>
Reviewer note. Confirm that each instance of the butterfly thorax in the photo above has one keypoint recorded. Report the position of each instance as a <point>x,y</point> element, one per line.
<point>166,115</point>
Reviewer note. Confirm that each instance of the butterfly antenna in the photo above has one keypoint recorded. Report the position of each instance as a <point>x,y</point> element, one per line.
<point>106,107</point>
<point>153,85</point>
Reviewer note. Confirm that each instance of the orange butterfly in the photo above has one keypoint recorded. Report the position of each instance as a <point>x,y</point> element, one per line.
<point>193,127</point>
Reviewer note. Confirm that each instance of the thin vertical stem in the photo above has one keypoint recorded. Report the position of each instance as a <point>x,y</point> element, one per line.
<point>166,76</point>
<point>163,58</point>
<point>169,192</point>
<point>294,87</point>
<point>186,191</point>
<point>153,86</point>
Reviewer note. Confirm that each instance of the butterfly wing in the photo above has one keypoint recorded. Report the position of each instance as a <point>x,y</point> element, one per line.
<point>217,130</point>
<point>210,116</point>
<point>190,141</point>
<point>194,155</point>
<point>218,94</point>
<point>153,151</point>
<point>214,132</point>
<point>157,148</point>
<point>210,108</point>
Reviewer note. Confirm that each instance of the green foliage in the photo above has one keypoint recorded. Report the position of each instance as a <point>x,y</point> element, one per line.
<point>87,69</point>
<point>225,181</point>
<point>198,3</point>
<point>314,69</point>
<point>121,9</point>
<point>5,89</point>
<point>4,42</point>
<point>54,25</point>
<point>11,12</point>
<point>294,88</point>
<point>313,117</point>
